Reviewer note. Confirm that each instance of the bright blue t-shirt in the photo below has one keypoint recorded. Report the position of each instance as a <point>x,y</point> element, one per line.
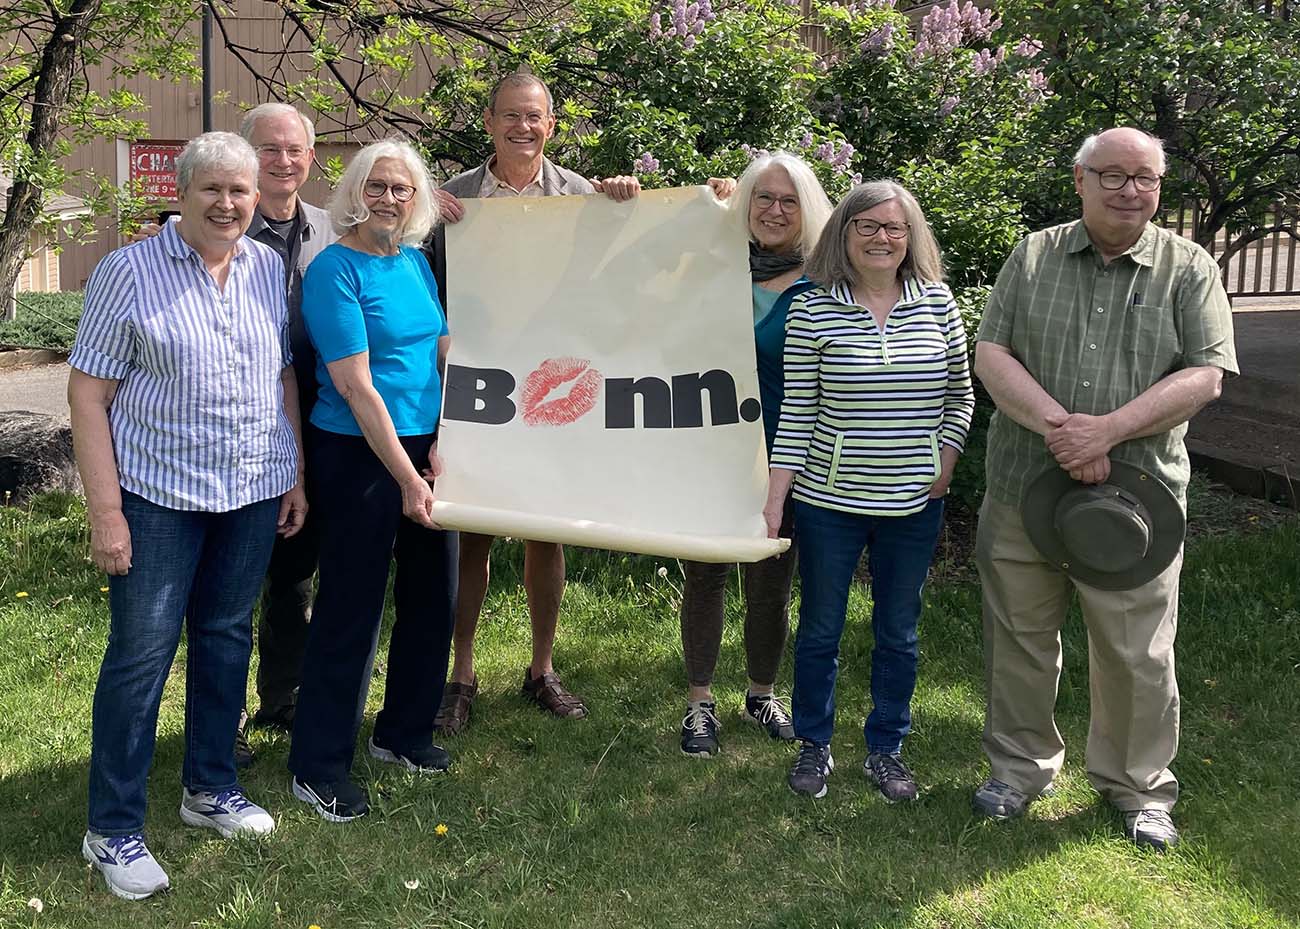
<point>387,305</point>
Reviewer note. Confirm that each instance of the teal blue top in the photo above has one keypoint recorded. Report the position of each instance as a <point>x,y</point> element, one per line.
<point>769,346</point>
<point>386,305</point>
<point>764,300</point>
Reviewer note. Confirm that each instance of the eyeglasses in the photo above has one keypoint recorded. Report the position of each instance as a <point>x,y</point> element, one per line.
<point>869,227</point>
<point>273,152</point>
<point>375,190</point>
<point>533,119</point>
<point>787,205</point>
<point>1115,180</point>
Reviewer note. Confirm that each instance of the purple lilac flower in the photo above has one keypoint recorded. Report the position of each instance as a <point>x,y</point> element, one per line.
<point>656,26</point>
<point>983,63</point>
<point>880,41</point>
<point>1028,48</point>
<point>806,140</point>
<point>646,164</point>
<point>948,105</point>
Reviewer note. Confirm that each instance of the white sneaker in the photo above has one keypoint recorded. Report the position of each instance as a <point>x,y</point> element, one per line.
<point>228,812</point>
<point>129,870</point>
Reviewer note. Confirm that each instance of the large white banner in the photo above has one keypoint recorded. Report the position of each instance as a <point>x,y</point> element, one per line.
<point>601,388</point>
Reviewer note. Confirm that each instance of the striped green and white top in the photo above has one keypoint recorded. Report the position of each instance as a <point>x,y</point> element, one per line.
<point>866,411</point>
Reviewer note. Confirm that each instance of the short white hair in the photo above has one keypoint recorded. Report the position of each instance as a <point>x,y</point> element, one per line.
<point>215,150</point>
<point>271,110</point>
<point>1089,147</point>
<point>814,205</point>
<point>347,208</point>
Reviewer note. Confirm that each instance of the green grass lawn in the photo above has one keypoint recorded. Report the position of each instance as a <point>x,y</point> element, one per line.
<point>603,822</point>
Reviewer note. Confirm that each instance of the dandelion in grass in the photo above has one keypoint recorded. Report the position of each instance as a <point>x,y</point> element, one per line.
<point>663,571</point>
<point>22,595</point>
<point>103,590</point>
<point>440,829</point>
<point>36,905</point>
<point>412,884</point>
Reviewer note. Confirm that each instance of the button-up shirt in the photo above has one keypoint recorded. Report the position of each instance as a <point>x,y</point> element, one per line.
<point>493,186</point>
<point>1095,335</point>
<point>867,408</point>
<point>198,420</point>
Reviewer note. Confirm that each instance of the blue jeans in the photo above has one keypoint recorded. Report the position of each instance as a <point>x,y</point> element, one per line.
<point>203,569</point>
<point>899,552</point>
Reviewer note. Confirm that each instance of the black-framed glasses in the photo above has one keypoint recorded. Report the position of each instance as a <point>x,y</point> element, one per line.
<point>869,227</point>
<point>376,190</point>
<point>764,201</point>
<point>1115,180</point>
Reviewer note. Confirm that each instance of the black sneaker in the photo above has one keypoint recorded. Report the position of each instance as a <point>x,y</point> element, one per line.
<point>243,751</point>
<point>432,759</point>
<point>814,765</point>
<point>275,717</point>
<point>341,802</point>
<point>766,710</point>
<point>700,730</point>
<point>892,776</point>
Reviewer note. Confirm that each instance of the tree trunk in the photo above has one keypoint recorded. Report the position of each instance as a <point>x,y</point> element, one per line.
<point>58,70</point>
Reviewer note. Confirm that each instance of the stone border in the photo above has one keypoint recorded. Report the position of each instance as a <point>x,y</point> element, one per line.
<point>18,356</point>
<point>1250,477</point>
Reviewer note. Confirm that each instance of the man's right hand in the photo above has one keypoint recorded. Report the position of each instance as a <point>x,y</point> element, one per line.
<point>110,543</point>
<point>147,231</point>
<point>450,209</point>
<point>1093,472</point>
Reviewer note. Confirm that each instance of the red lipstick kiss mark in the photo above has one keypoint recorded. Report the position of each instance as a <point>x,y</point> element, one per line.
<point>550,374</point>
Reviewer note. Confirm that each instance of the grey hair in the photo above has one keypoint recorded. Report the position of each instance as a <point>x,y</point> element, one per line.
<point>814,205</point>
<point>223,150</point>
<point>347,207</point>
<point>273,109</point>
<point>520,79</point>
<point>1089,147</point>
<point>829,263</point>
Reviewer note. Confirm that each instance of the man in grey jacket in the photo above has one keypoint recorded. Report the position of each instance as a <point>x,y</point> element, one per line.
<point>520,118</point>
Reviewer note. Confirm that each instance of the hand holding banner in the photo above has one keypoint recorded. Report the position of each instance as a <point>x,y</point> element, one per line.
<point>601,388</point>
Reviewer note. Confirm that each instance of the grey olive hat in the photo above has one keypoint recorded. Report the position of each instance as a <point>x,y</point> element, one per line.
<point>1114,536</point>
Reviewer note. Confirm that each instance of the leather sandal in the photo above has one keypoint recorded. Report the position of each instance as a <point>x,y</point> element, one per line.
<point>548,693</point>
<point>453,711</point>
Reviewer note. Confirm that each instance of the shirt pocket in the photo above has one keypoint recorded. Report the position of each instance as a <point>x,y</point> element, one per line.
<point>874,465</point>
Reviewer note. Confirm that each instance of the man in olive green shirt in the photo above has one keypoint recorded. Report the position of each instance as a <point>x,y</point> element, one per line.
<point>1101,339</point>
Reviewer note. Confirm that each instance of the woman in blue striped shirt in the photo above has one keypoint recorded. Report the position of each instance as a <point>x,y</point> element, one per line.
<point>878,400</point>
<point>184,421</point>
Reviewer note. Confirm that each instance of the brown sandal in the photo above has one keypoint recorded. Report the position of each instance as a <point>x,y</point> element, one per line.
<point>453,712</point>
<point>548,693</point>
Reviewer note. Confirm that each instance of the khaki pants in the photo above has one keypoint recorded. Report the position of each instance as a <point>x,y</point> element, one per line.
<point>1133,734</point>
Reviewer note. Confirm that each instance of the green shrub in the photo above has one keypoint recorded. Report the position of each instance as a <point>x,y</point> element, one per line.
<point>45,320</point>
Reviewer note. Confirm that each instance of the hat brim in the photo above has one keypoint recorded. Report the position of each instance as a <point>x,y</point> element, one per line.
<point>1168,525</point>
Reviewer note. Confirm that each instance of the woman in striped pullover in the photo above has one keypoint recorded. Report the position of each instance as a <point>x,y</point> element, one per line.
<point>878,400</point>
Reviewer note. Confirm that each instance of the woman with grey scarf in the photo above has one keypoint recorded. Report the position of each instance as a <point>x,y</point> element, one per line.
<point>783,207</point>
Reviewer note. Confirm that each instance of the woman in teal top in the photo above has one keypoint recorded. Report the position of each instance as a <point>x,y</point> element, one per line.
<point>783,208</point>
<point>372,311</point>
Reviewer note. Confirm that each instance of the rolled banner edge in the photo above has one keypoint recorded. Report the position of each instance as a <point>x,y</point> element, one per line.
<point>589,534</point>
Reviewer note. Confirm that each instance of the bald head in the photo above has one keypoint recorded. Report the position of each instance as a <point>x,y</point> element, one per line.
<point>1122,142</point>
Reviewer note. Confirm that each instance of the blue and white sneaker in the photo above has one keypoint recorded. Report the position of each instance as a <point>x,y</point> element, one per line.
<point>129,870</point>
<point>228,812</point>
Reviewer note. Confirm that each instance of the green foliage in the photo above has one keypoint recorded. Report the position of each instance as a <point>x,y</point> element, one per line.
<point>1218,80</point>
<point>45,320</point>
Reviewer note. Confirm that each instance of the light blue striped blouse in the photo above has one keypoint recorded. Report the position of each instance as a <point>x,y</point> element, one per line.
<point>198,421</point>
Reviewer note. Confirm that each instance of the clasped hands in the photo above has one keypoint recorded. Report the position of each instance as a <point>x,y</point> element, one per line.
<point>1081,445</point>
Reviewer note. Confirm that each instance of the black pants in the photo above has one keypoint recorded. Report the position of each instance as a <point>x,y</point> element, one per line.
<point>359,506</point>
<point>287,595</point>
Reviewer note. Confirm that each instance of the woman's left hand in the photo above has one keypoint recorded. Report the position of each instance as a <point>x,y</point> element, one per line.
<point>947,465</point>
<point>722,187</point>
<point>293,511</point>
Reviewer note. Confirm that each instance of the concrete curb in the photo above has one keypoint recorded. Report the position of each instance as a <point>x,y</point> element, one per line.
<point>1245,476</point>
